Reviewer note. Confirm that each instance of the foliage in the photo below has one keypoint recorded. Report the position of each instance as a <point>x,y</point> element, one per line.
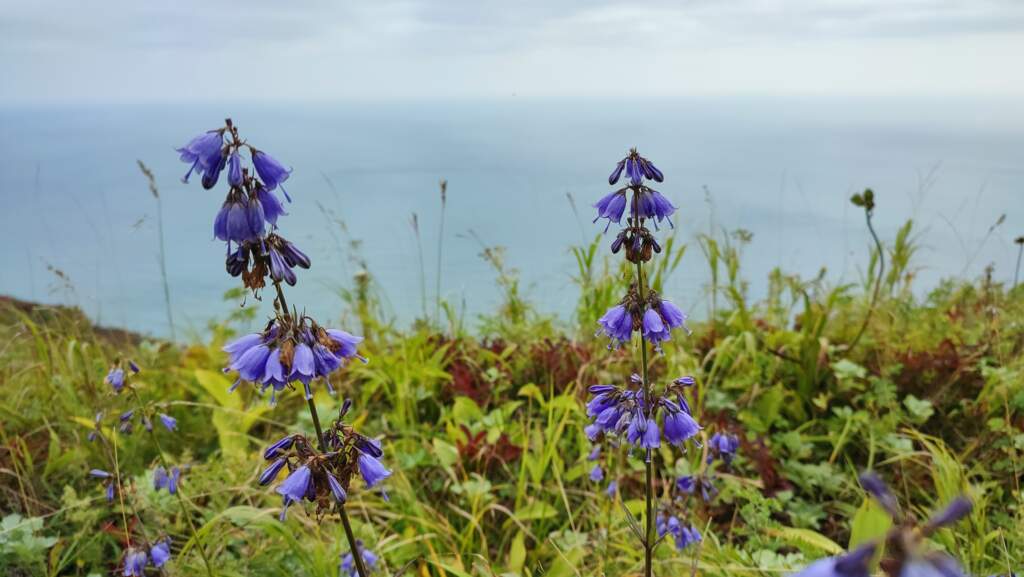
<point>486,430</point>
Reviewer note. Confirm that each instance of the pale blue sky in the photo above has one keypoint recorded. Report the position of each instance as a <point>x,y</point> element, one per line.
<point>131,50</point>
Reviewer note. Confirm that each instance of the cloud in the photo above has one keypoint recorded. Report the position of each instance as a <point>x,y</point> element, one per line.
<point>263,49</point>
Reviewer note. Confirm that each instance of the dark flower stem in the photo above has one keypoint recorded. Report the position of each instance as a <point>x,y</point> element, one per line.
<point>356,554</point>
<point>649,481</point>
<point>177,493</point>
<point>649,538</point>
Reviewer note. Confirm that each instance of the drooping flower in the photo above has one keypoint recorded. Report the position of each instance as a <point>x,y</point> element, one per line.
<point>674,318</point>
<point>611,206</point>
<point>135,562</point>
<point>240,219</point>
<point>115,378</point>
<point>348,562</point>
<point>724,445</point>
<point>643,432</point>
<point>686,484</point>
<point>617,323</point>
<point>162,479</point>
<point>202,152</point>
<point>679,425</point>
<point>272,172</point>
<point>613,487</point>
<point>372,470</point>
<point>654,328</point>
<point>272,208</point>
<point>160,553</point>
<point>169,422</point>
<point>652,204</point>
<point>297,485</point>
<point>597,474</point>
<point>100,474</point>
<point>234,169</point>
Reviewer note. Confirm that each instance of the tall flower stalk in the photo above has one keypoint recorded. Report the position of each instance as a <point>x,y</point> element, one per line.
<point>631,412</point>
<point>292,348</point>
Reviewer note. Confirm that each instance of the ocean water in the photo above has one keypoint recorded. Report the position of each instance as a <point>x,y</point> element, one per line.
<point>783,169</point>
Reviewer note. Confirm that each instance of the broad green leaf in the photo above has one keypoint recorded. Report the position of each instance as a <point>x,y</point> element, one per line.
<point>869,522</point>
<point>807,537</point>
<point>517,553</point>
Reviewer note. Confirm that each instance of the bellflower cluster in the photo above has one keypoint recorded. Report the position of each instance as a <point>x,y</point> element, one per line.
<point>905,551</point>
<point>247,220</point>
<point>683,535</point>
<point>652,316</point>
<point>325,477</point>
<point>290,349</point>
<point>621,411</point>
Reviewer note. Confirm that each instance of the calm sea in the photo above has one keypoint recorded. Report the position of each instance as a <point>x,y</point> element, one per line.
<point>74,199</point>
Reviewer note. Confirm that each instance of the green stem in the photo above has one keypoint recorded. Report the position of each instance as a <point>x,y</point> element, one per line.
<point>878,281</point>
<point>177,493</point>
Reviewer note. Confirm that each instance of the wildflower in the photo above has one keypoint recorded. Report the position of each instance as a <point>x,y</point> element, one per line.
<point>654,329</point>
<point>611,206</point>
<point>110,493</point>
<point>272,208</point>
<point>115,378</point>
<point>724,445</point>
<point>234,169</point>
<point>613,487</point>
<point>336,489</point>
<point>162,479</point>
<point>270,473</point>
<point>169,422</point>
<point>372,470</point>
<point>652,204</point>
<point>240,219</point>
<point>160,553</point>
<point>617,323</point>
<point>100,474</point>
<point>679,425</point>
<point>686,484</point>
<point>673,317</point>
<point>298,484</point>
<point>133,367</point>
<point>212,173</point>
<point>272,172</point>
<point>637,168</point>
<point>135,562</point>
<point>203,152</point>
<point>643,432</point>
<point>290,350</point>
<point>597,474</point>
<point>595,453</point>
<point>348,562</point>
<point>853,564</point>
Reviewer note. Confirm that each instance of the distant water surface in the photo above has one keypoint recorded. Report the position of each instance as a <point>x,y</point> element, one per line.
<point>784,170</point>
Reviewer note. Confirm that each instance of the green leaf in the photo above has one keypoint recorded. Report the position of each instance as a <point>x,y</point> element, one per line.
<point>807,537</point>
<point>536,510</point>
<point>920,410</point>
<point>870,522</point>
<point>231,421</point>
<point>517,553</point>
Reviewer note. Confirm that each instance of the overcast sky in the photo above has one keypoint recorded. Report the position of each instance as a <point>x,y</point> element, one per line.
<point>265,50</point>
